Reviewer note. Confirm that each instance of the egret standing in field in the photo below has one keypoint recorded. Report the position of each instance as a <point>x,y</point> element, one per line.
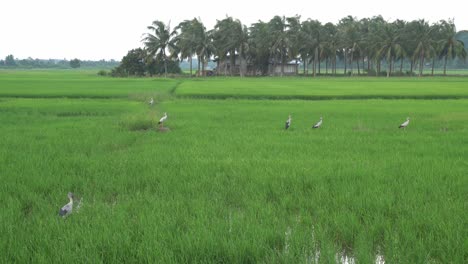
<point>405,124</point>
<point>161,121</point>
<point>68,208</point>
<point>319,123</point>
<point>288,122</point>
<point>151,102</point>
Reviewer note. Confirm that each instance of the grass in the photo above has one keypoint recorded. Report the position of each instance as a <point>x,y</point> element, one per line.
<point>227,183</point>
<point>326,88</point>
<point>79,84</point>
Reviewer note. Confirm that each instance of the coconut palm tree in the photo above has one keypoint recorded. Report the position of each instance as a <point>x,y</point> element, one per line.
<point>332,43</point>
<point>185,42</point>
<point>205,48</point>
<point>313,28</point>
<point>259,46</point>
<point>450,46</point>
<point>281,40</point>
<point>160,42</point>
<point>423,35</point>
<point>350,38</point>
<point>389,45</point>
<point>294,35</point>
<point>244,48</point>
<point>226,39</point>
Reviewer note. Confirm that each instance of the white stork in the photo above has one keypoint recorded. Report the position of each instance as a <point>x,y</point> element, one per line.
<point>288,122</point>
<point>68,208</point>
<point>151,102</point>
<point>405,124</point>
<point>161,121</point>
<point>319,123</point>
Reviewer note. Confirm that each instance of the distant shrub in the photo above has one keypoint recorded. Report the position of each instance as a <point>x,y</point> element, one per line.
<point>370,72</point>
<point>102,73</point>
<point>410,73</point>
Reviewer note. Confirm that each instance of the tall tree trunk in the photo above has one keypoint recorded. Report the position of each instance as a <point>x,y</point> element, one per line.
<point>282,64</point>
<point>296,69</point>
<point>445,65</point>
<point>319,60</point>
<point>334,64</point>
<point>377,72</point>
<point>401,66</point>
<point>225,67</point>
<point>315,61</point>
<point>241,73</point>
<point>165,67</point>
<point>368,66</point>
<point>304,62</point>
<point>271,68</point>
<point>198,69</point>
<point>421,64</point>
<point>233,62</point>
<point>345,60</point>
<point>203,66</point>
<point>433,65</point>
<point>358,70</point>
<point>190,59</point>
<point>363,64</point>
<point>411,66</point>
<point>389,66</point>
<point>326,66</point>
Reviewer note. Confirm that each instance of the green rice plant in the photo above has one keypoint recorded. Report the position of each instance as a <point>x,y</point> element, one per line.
<point>228,183</point>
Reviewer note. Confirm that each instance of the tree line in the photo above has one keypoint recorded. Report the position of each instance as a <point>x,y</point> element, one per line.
<point>11,62</point>
<point>372,46</point>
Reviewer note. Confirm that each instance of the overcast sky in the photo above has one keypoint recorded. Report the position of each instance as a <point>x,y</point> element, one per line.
<point>107,29</point>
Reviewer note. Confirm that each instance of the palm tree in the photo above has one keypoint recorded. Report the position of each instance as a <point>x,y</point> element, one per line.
<point>328,45</point>
<point>205,48</point>
<point>203,44</point>
<point>281,42</point>
<point>350,38</point>
<point>294,35</point>
<point>160,42</point>
<point>313,31</point>
<point>389,43</point>
<point>259,46</point>
<point>425,43</point>
<point>244,47</point>
<point>226,39</point>
<point>185,41</point>
<point>451,47</point>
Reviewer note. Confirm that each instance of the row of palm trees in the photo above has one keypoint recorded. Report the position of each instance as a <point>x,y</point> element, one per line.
<point>366,44</point>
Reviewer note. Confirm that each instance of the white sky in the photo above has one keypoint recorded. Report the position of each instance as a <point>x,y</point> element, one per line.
<point>107,29</point>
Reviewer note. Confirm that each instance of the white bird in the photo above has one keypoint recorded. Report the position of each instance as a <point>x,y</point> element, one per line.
<point>288,122</point>
<point>161,121</point>
<point>151,102</point>
<point>405,124</point>
<point>319,123</point>
<point>68,208</point>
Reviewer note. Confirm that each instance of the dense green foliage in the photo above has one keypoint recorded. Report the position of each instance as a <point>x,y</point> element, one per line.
<point>30,63</point>
<point>138,63</point>
<point>75,63</point>
<point>358,46</point>
<point>227,183</point>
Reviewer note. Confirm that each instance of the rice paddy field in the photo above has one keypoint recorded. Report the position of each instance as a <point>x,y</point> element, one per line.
<point>227,183</point>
